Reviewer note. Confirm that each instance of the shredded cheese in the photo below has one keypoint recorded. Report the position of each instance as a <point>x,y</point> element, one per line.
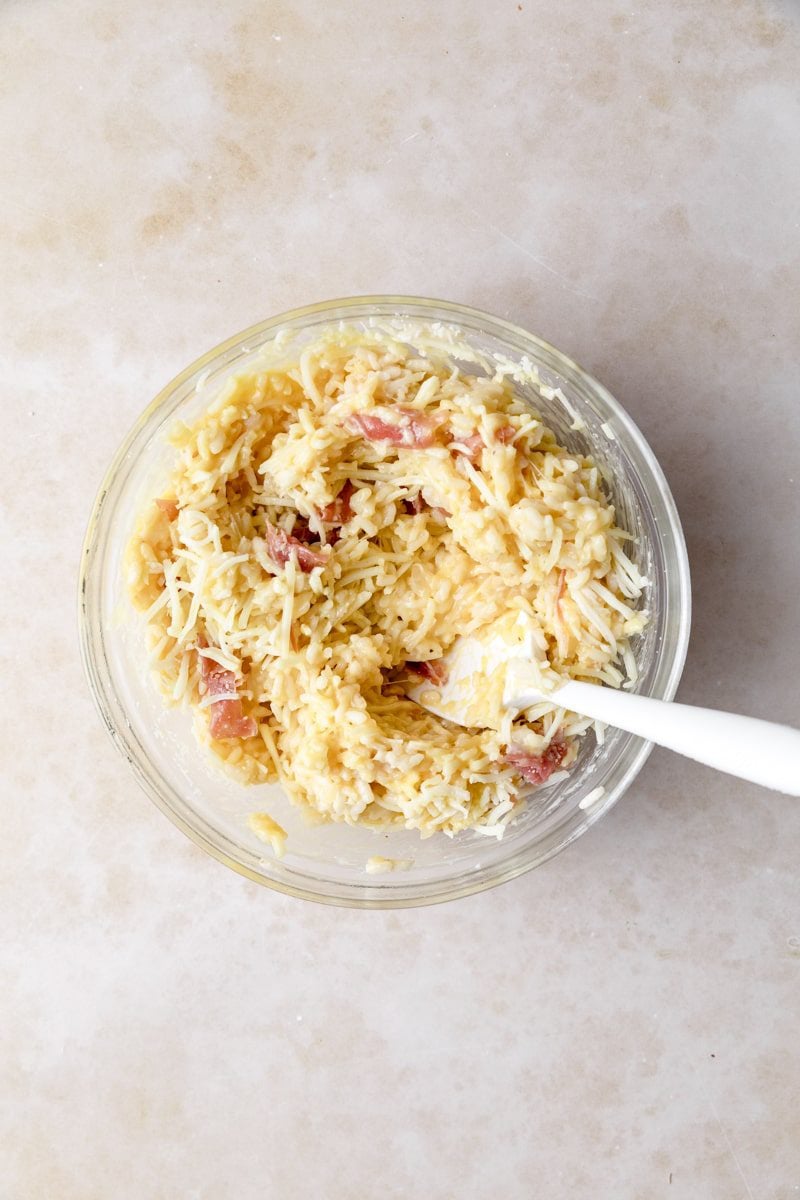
<point>269,831</point>
<point>377,864</point>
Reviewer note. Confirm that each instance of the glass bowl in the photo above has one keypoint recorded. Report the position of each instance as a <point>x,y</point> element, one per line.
<point>327,863</point>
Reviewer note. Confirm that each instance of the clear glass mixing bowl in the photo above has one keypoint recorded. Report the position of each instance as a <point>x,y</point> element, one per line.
<point>327,862</point>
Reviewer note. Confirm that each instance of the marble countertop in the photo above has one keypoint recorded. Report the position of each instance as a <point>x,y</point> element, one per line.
<point>619,178</point>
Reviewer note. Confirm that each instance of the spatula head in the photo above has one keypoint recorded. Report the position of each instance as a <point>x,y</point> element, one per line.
<point>482,672</point>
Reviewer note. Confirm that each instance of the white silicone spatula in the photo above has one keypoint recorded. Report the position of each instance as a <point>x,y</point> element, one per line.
<point>760,751</point>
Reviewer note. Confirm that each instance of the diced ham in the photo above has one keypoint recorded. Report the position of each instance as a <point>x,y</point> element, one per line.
<point>472,446</point>
<point>168,507</point>
<point>339,510</point>
<point>410,429</point>
<point>418,505</point>
<point>219,680</point>
<point>302,533</point>
<point>415,505</point>
<point>536,768</point>
<point>281,546</point>
<point>227,718</point>
<point>228,721</point>
<point>435,669</point>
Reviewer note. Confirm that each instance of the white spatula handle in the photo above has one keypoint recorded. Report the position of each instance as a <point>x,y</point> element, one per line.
<point>757,750</point>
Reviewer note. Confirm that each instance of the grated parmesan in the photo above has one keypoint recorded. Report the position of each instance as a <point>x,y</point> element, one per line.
<point>378,865</point>
<point>269,831</point>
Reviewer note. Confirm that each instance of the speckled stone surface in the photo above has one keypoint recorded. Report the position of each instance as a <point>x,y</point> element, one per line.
<point>623,180</point>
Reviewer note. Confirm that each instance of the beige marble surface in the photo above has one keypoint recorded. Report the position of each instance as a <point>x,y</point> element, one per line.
<point>621,178</point>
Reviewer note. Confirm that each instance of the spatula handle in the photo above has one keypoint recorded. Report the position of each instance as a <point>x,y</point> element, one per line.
<point>760,751</point>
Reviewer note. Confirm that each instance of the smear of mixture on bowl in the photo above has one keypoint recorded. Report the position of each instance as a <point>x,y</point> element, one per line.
<point>332,523</point>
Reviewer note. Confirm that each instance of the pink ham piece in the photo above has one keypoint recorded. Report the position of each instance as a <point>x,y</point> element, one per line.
<point>472,446</point>
<point>302,533</point>
<point>228,721</point>
<point>227,717</point>
<point>418,505</point>
<point>339,510</point>
<point>415,506</point>
<point>168,507</point>
<point>411,429</point>
<point>536,768</point>
<point>434,669</point>
<point>281,546</point>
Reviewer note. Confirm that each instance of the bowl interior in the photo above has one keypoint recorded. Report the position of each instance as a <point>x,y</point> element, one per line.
<point>327,862</point>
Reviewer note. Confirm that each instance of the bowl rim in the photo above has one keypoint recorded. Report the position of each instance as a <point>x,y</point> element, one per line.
<point>466,885</point>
